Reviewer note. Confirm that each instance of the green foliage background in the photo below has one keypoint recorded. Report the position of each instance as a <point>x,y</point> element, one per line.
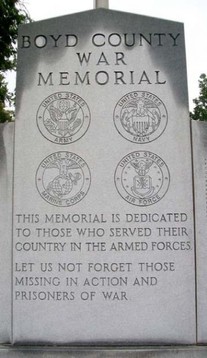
<point>12,14</point>
<point>200,110</point>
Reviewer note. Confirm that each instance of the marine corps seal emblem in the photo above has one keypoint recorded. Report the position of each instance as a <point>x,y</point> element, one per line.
<point>63,179</point>
<point>142,178</point>
<point>63,117</point>
<point>140,117</point>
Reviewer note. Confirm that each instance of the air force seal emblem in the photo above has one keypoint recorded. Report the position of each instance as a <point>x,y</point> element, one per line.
<point>142,178</point>
<point>63,179</point>
<point>63,117</point>
<point>140,117</point>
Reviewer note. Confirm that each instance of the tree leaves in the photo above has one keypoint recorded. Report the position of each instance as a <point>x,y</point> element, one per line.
<point>13,13</point>
<point>200,109</point>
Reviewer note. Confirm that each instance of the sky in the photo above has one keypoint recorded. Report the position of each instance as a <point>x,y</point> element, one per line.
<point>193,13</point>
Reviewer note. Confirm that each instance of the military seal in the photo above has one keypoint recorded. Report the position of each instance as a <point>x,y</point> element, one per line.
<point>140,117</point>
<point>142,178</point>
<point>63,117</point>
<point>63,179</point>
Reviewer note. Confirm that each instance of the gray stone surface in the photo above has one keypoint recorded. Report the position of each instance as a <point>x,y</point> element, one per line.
<point>142,352</point>
<point>6,175</point>
<point>101,3</point>
<point>103,209</point>
<point>199,135</point>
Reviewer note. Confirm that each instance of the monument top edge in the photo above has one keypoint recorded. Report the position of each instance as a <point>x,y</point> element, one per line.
<point>98,12</point>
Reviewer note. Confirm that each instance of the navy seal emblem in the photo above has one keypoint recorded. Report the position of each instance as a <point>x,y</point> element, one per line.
<point>63,117</point>
<point>63,179</point>
<point>142,178</point>
<point>140,117</point>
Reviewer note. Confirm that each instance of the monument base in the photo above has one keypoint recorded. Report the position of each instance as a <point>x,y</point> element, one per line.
<point>102,352</point>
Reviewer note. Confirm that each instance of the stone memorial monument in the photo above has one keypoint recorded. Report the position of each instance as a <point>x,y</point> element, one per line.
<point>199,131</point>
<point>103,248</point>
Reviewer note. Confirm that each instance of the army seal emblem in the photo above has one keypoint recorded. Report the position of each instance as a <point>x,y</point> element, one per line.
<point>63,117</point>
<point>140,117</point>
<point>63,179</point>
<point>142,178</point>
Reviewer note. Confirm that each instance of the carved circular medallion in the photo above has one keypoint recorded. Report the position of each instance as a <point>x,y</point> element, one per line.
<point>142,178</point>
<point>140,117</point>
<point>63,117</point>
<point>63,179</point>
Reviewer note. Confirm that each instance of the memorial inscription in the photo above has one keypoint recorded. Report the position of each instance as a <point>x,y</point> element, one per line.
<point>103,217</point>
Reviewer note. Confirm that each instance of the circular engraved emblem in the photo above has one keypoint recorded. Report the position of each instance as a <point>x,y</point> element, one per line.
<point>142,178</point>
<point>140,117</point>
<point>63,179</point>
<point>63,117</point>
